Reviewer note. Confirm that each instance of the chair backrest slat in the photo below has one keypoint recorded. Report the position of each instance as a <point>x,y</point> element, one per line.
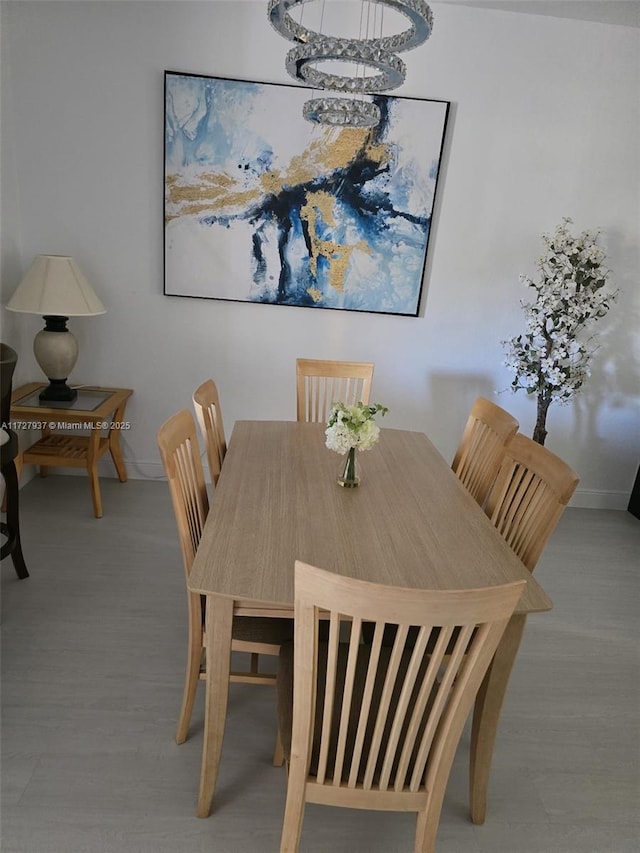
<point>441,703</point>
<point>529,495</point>
<point>417,714</point>
<point>384,704</point>
<point>383,707</point>
<point>477,460</point>
<point>329,694</point>
<point>179,451</point>
<point>376,724</point>
<point>206,403</point>
<point>320,384</point>
<point>347,702</point>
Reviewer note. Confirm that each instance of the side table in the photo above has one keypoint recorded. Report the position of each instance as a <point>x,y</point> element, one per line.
<point>100,411</point>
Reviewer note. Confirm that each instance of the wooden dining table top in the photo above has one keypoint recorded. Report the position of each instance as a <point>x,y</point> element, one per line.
<point>410,523</point>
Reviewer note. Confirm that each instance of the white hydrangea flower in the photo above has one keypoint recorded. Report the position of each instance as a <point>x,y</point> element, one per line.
<point>353,426</point>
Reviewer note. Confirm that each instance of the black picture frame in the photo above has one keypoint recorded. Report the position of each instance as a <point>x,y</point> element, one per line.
<point>263,206</point>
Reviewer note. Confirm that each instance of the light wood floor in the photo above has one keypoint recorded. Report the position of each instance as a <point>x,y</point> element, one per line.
<point>93,648</point>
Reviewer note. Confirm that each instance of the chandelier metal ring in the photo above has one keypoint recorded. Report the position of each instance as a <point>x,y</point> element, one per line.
<point>417,11</point>
<point>341,112</point>
<point>300,59</point>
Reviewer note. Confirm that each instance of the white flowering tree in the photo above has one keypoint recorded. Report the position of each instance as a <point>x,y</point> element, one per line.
<point>551,357</point>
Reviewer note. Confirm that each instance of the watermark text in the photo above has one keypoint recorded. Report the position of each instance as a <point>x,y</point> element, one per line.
<point>69,425</point>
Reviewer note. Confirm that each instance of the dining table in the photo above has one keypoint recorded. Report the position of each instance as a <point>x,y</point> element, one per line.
<point>410,523</point>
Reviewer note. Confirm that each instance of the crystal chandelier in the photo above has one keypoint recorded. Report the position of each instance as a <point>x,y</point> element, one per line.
<point>366,64</point>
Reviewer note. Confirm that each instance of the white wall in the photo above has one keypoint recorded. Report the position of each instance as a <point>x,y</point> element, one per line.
<point>544,124</point>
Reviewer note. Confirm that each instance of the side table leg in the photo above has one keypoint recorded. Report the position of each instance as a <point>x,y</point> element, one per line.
<point>114,446</point>
<point>92,471</point>
<point>486,714</point>
<point>219,622</point>
<point>44,469</point>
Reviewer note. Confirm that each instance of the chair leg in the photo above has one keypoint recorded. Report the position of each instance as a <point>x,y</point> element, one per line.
<point>3,507</point>
<point>486,715</point>
<point>11,529</point>
<point>426,832</point>
<point>294,809</point>
<point>278,752</point>
<point>191,679</point>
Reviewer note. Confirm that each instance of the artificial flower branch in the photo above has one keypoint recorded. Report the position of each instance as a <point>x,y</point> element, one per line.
<point>551,358</point>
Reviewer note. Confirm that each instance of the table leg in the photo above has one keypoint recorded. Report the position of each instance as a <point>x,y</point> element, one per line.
<point>92,471</point>
<point>218,627</point>
<point>114,445</point>
<point>44,469</point>
<point>486,714</point>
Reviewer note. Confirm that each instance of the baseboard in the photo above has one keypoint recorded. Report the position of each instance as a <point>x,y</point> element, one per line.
<point>144,470</point>
<point>599,499</point>
<point>135,471</point>
<point>153,470</point>
<point>583,498</point>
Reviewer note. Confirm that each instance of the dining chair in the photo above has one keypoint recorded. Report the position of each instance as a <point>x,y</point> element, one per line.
<point>531,491</point>
<point>179,450</point>
<point>320,384</point>
<point>10,465</point>
<point>206,403</point>
<point>488,429</point>
<point>372,726</point>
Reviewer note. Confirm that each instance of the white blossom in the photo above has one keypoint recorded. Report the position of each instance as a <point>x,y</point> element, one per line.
<point>353,426</point>
<point>549,358</point>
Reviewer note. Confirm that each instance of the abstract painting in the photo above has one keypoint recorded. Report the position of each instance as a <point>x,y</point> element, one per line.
<point>261,205</point>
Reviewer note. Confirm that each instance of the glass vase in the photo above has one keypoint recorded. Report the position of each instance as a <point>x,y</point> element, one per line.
<point>349,478</point>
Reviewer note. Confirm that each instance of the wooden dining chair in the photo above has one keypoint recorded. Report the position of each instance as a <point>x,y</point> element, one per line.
<point>206,403</point>
<point>531,491</point>
<point>178,445</point>
<point>320,384</point>
<point>488,429</point>
<point>372,726</point>
<point>10,466</point>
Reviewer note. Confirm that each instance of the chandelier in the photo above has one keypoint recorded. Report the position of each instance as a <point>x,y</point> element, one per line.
<point>364,64</point>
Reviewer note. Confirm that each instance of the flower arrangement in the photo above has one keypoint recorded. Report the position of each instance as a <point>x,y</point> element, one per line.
<point>353,427</point>
<point>550,359</point>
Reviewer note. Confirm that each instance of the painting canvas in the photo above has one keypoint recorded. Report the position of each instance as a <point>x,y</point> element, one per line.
<point>264,206</point>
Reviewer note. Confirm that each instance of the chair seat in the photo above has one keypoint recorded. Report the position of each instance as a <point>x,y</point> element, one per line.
<point>261,629</point>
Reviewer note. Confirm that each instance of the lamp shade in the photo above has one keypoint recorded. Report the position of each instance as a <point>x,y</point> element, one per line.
<point>55,285</point>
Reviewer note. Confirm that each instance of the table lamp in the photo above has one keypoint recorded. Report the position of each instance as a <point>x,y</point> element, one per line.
<point>55,287</point>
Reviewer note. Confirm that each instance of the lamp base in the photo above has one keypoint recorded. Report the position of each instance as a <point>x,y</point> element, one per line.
<point>56,351</point>
<point>57,391</point>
